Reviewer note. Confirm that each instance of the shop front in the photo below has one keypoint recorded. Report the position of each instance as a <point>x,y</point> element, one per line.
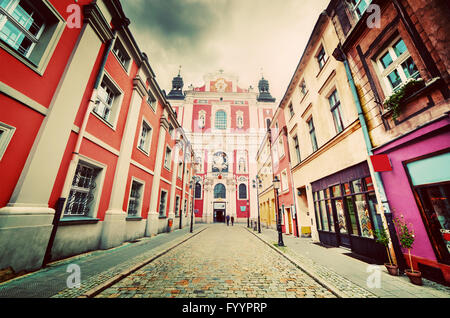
<point>345,207</point>
<point>418,189</point>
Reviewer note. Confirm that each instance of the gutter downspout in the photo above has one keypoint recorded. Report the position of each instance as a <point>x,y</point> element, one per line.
<point>75,154</point>
<point>340,56</point>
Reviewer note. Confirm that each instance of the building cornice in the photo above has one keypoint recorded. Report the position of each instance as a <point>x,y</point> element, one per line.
<point>94,17</point>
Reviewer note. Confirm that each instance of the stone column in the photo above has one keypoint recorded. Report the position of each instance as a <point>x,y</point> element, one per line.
<point>114,224</point>
<point>164,127</point>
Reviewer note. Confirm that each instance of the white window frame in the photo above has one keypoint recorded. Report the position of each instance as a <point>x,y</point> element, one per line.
<point>149,136</point>
<point>163,215</point>
<point>119,46</point>
<point>354,8</point>
<point>5,137</point>
<point>246,191</point>
<point>151,100</point>
<point>141,196</point>
<point>177,205</point>
<point>280,145</point>
<point>168,161</point>
<point>284,181</point>
<point>180,170</point>
<point>99,180</point>
<point>116,104</point>
<point>396,64</point>
<point>48,36</point>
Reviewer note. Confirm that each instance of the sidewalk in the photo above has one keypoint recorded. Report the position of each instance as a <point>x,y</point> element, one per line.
<point>96,267</point>
<point>345,275</point>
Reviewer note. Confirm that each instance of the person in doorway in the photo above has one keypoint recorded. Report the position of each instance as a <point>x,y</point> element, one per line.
<point>228,220</point>
<point>232,220</point>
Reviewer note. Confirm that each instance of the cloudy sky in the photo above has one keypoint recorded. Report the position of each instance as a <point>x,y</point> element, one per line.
<point>245,37</point>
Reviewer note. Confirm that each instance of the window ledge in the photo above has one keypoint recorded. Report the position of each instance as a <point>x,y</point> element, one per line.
<point>133,218</point>
<point>323,67</point>
<point>107,123</point>
<point>77,220</point>
<point>143,151</point>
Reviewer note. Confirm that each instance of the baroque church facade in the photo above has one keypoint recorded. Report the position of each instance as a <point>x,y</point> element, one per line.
<point>225,125</point>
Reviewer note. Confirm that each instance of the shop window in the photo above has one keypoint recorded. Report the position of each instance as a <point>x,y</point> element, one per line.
<point>29,31</point>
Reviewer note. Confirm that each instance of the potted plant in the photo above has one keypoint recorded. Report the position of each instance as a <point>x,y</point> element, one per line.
<point>382,237</point>
<point>406,238</point>
<point>394,102</point>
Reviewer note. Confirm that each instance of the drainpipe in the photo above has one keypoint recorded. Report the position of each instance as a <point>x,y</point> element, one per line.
<point>341,57</point>
<point>73,162</point>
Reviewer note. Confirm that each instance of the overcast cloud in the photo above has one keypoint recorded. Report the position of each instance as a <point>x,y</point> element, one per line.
<point>238,36</point>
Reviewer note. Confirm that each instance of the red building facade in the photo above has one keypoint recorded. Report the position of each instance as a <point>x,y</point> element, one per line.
<point>86,135</point>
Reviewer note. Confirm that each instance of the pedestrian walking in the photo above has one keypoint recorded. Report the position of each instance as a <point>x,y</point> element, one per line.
<point>232,220</point>
<point>228,220</point>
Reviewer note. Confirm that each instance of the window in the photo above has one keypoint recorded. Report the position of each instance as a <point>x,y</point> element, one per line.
<point>297,149</point>
<point>162,203</point>
<point>177,206</point>
<point>284,181</point>
<point>267,123</point>
<point>397,66</point>
<point>82,191</point>
<point>108,101</point>
<point>168,158</point>
<point>303,88</point>
<point>121,54</point>
<point>219,191</point>
<point>335,105</point>
<point>145,138</point>
<point>134,202</point>
<point>29,30</point>
<point>291,110</point>
<point>321,57</point>
<point>242,191</point>
<point>312,134</point>
<point>359,7</point>
<point>281,146</point>
<point>151,100</point>
<point>221,120</point>
<point>198,190</point>
<point>180,170</point>
<point>6,133</point>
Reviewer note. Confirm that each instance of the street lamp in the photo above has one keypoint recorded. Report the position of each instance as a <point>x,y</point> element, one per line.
<point>248,214</point>
<point>257,183</point>
<point>276,186</point>
<point>192,186</point>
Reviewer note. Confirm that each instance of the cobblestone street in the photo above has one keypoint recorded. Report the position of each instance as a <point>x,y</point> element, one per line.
<point>220,262</point>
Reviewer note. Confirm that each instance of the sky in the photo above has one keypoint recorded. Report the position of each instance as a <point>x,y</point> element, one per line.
<point>250,38</point>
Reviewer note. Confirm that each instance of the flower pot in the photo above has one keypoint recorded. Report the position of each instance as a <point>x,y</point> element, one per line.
<point>392,269</point>
<point>414,276</point>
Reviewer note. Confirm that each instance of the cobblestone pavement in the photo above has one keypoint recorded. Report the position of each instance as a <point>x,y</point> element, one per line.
<point>224,262</point>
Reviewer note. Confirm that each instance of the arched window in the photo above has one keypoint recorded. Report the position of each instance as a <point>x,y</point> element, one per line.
<point>221,120</point>
<point>242,191</point>
<point>219,191</point>
<point>198,190</point>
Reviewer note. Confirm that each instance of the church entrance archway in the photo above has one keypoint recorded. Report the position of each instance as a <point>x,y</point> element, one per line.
<point>219,212</point>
